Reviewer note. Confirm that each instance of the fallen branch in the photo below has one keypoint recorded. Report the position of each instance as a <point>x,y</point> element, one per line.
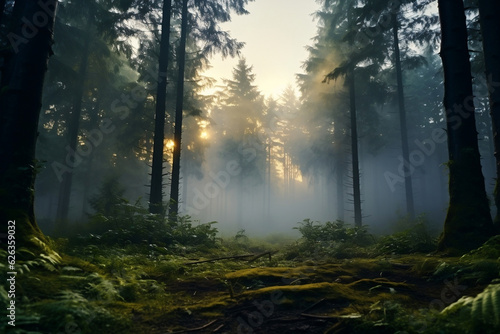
<point>252,257</point>
<point>217,329</point>
<point>324,317</point>
<point>195,329</point>
<point>261,255</point>
<point>221,258</point>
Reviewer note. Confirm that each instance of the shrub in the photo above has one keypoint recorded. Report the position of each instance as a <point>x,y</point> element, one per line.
<point>335,239</point>
<point>415,239</point>
<point>117,222</point>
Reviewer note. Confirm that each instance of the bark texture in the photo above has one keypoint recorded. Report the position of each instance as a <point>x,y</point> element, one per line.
<point>156,194</point>
<point>176,164</point>
<point>489,14</point>
<point>468,222</point>
<point>20,103</point>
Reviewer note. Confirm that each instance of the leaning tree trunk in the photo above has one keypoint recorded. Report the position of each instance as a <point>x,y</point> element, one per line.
<point>156,194</point>
<point>20,103</point>
<point>468,222</point>
<point>73,129</point>
<point>354,148</point>
<point>410,210</point>
<point>176,164</point>
<point>489,14</point>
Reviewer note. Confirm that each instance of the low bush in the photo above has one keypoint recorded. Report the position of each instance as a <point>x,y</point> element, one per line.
<point>335,239</point>
<point>415,239</point>
<point>117,222</point>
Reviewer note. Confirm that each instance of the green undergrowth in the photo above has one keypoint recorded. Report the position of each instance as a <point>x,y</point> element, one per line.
<point>335,278</point>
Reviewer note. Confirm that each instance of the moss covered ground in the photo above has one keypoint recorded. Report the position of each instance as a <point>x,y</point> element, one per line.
<point>146,288</point>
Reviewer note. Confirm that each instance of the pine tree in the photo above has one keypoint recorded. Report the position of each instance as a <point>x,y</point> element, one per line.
<point>155,197</point>
<point>468,222</point>
<point>489,12</point>
<point>20,102</point>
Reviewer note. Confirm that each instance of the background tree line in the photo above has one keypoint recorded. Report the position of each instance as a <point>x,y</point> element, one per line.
<point>125,98</point>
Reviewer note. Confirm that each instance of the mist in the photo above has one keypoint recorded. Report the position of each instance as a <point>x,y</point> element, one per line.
<point>251,161</point>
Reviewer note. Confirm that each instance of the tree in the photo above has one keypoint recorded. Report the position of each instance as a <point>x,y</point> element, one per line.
<point>354,146</point>
<point>239,118</point>
<point>176,166</point>
<point>388,18</point>
<point>20,102</point>
<point>348,70</point>
<point>489,13</point>
<point>90,39</point>
<point>204,29</point>
<point>74,121</point>
<point>155,198</point>
<point>468,222</point>
<point>402,116</point>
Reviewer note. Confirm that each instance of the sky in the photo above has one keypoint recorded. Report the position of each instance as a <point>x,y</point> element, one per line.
<point>275,33</point>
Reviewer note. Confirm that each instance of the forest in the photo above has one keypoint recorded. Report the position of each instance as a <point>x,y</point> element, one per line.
<point>138,194</point>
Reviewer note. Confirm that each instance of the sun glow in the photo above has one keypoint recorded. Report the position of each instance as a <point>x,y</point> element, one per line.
<point>204,135</point>
<point>169,145</point>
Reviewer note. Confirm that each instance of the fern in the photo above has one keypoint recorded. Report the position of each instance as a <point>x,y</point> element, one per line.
<point>483,310</point>
<point>101,288</point>
<point>73,309</point>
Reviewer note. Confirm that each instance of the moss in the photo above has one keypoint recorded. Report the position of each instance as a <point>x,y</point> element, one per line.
<point>490,250</point>
<point>468,222</point>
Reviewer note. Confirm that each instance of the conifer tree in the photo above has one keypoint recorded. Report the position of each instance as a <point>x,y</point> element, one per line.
<point>20,102</point>
<point>468,222</point>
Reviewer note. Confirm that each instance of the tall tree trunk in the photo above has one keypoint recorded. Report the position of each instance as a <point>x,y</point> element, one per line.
<point>20,103</point>
<point>354,148</point>
<point>468,222</point>
<point>156,195</point>
<point>93,122</point>
<point>269,181</point>
<point>73,129</point>
<point>176,164</point>
<point>340,189</point>
<point>489,14</point>
<point>410,210</point>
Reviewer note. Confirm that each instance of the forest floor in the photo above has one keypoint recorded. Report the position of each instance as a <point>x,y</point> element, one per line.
<point>148,289</point>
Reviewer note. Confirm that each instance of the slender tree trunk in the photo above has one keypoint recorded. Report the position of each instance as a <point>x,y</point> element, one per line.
<point>184,197</point>
<point>269,181</point>
<point>340,189</point>
<point>20,103</point>
<point>489,14</point>
<point>73,129</point>
<point>354,148</point>
<point>410,210</point>
<point>156,195</point>
<point>468,222</point>
<point>176,165</point>
<point>93,122</point>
